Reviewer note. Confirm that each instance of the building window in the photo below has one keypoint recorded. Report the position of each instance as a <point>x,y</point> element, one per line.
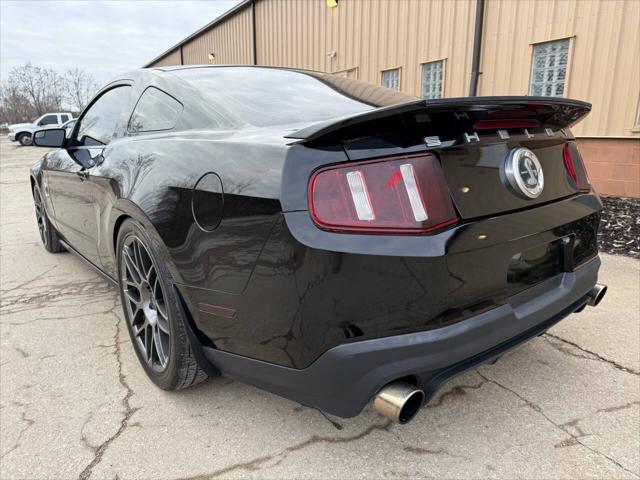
<point>549,71</point>
<point>391,79</point>
<point>432,75</point>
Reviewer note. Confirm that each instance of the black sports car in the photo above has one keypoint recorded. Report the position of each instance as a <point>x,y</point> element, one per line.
<point>322,238</point>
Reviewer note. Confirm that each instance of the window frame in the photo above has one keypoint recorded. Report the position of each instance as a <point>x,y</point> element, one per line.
<point>399,69</point>
<point>73,142</point>
<point>130,132</point>
<point>444,75</point>
<point>567,76</point>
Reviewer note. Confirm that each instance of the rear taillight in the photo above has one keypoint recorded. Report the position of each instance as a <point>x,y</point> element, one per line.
<point>397,195</point>
<point>575,167</point>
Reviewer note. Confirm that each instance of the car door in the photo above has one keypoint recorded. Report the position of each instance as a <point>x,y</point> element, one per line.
<point>68,172</point>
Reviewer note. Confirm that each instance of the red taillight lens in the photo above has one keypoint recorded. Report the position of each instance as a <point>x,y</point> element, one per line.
<point>574,166</point>
<point>397,195</point>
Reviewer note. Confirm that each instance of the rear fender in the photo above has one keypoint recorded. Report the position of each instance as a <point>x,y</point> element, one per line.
<point>122,210</point>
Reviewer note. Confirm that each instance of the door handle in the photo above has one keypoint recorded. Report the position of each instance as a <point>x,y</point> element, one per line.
<point>83,174</point>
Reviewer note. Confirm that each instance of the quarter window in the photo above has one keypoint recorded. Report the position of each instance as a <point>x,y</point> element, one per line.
<point>391,79</point>
<point>49,120</point>
<point>549,71</point>
<point>68,128</point>
<point>155,111</point>
<point>106,118</point>
<point>432,75</point>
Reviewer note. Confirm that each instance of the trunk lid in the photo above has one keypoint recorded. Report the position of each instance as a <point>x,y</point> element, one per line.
<point>473,138</point>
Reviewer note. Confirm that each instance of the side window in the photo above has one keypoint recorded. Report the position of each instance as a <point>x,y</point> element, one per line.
<point>155,111</point>
<point>49,120</point>
<point>549,70</point>
<point>64,118</point>
<point>106,118</point>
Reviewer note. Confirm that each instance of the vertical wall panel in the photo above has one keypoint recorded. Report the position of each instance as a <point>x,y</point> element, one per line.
<point>230,41</point>
<point>369,36</point>
<point>604,57</point>
<point>172,58</point>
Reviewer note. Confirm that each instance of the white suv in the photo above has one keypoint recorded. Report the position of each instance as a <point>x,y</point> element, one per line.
<point>22,132</point>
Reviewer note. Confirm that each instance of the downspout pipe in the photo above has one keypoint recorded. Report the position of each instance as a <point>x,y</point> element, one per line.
<point>253,26</point>
<point>477,48</point>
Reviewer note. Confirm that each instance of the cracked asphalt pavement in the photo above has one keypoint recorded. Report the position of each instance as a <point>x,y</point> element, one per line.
<point>74,403</point>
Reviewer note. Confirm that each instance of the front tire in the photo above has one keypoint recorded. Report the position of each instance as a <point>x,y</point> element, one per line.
<point>25,139</point>
<point>156,323</point>
<point>48,234</point>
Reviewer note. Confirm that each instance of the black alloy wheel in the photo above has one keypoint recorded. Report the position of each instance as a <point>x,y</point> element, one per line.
<point>145,303</point>
<point>41,216</point>
<point>48,234</point>
<point>155,319</point>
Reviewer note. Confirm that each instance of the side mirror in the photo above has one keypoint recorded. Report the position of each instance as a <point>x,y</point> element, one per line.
<point>51,137</point>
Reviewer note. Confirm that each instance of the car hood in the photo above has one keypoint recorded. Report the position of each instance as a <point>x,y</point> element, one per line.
<point>20,125</point>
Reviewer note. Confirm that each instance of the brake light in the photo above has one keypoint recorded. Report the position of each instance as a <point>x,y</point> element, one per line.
<point>495,124</point>
<point>575,167</point>
<point>397,195</point>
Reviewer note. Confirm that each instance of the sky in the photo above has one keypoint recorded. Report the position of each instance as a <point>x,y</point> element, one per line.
<point>103,37</point>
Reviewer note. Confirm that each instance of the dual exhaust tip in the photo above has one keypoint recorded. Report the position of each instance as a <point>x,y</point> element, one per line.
<point>399,401</point>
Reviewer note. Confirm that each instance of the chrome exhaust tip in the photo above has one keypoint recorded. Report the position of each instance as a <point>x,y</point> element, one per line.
<point>596,294</point>
<point>399,401</point>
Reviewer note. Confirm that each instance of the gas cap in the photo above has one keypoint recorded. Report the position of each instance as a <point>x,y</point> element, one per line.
<point>207,202</point>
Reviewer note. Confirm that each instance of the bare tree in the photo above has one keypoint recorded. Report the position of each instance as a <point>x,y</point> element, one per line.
<point>14,106</point>
<point>42,87</point>
<point>79,88</point>
<point>29,92</point>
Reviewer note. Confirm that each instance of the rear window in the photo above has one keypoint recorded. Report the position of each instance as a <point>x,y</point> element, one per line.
<point>263,96</point>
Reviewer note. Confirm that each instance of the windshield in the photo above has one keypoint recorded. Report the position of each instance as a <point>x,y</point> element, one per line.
<point>269,96</point>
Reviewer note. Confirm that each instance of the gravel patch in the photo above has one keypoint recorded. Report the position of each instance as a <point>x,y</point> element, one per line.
<point>619,231</point>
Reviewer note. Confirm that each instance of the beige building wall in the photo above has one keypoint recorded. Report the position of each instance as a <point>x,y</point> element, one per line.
<point>604,55</point>
<point>171,58</point>
<point>361,38</point>
<point>230,42</point>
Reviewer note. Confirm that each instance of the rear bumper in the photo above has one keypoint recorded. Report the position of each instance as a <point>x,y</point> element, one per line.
<point>343,379</point>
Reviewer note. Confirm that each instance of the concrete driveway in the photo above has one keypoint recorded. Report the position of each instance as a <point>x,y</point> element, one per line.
<point>74,403</point>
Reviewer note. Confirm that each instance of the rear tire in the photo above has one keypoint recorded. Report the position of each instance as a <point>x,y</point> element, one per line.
<point>25,139</point>
<point>48,234</point>
<point>156,323</point>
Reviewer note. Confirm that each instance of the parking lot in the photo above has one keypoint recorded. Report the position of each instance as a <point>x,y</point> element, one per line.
<point>74,403</point>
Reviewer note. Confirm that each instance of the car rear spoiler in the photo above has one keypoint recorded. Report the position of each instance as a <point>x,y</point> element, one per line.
<point>479,113</point>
